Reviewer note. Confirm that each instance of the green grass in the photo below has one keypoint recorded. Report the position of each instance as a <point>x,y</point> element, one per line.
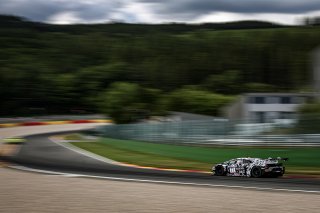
<point>73,137</point>
<point>301,160</point>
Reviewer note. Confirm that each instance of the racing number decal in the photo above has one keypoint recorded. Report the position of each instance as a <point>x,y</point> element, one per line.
<point>232,170</point>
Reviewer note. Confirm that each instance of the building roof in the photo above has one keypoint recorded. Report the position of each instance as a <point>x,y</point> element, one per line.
<point>279,94</point>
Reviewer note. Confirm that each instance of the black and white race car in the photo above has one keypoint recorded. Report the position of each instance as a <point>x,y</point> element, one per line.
<point>250,167</point>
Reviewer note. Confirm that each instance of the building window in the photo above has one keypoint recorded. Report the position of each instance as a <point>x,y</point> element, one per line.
<point>259,100</point>
<point>285,100</point>
<point>256,100</point>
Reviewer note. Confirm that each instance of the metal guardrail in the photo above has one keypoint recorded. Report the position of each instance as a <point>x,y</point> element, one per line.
<point>272,140</point>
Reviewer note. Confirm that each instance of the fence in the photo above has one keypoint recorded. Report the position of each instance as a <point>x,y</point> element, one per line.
<point>214,132</point>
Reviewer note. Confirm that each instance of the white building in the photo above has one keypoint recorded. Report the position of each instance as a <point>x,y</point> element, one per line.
<point>266,107</point>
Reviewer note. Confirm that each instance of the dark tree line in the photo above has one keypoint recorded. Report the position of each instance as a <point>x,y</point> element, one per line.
<point>62,68</point>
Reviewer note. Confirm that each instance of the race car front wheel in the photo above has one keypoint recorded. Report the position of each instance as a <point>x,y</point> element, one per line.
<point>256,172</point>
<point>219,171</point>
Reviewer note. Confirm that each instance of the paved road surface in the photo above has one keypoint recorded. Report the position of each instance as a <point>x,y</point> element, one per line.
<point>37,193</point>
<point>32,192</point>
<point>41,153</point>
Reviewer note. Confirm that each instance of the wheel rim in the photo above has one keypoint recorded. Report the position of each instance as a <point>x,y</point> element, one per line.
<point>255,172</point>
<point>219,171</point>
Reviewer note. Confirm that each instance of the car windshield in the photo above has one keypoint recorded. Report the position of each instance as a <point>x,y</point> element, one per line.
<point>230,162</point>
<point>247,161</point>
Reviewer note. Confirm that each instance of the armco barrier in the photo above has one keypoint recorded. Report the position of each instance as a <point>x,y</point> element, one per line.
<point>304,140</point>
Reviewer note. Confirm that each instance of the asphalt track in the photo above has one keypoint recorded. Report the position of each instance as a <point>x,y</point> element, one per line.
<point>40,153</point>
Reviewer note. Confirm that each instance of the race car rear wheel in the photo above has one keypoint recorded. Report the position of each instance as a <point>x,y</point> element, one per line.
<point>256,172</point>
<point>219,171</point>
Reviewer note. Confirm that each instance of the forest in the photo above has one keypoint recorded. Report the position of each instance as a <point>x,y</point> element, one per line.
<point>147,69</point>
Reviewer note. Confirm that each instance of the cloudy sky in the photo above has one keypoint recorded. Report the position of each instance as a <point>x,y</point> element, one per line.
<point>159,11</point>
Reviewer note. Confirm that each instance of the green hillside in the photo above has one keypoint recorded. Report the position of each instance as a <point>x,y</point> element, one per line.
<point>63,68</point>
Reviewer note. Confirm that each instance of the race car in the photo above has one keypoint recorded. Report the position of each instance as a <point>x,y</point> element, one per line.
<point>250,167</point>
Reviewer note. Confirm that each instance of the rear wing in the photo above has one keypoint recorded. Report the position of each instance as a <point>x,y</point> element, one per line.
<point>279,158</point>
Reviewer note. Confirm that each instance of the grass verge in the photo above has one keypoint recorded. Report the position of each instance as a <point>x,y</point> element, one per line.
<point>301,160</point>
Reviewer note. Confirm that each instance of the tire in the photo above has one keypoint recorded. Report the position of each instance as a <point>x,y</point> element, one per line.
<point>256,172</point>
<point>219,171</point>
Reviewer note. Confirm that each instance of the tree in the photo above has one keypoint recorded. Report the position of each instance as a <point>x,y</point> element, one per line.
<point>225,83</point>
<point>259,87</point>
<point>197,101</point>
<point>128,102</point>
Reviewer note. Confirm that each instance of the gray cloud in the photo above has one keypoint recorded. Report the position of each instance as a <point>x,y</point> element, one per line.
<point>198,7</point>
<point>181,10</point>
<point>37,9</point>
<point>42,10</point>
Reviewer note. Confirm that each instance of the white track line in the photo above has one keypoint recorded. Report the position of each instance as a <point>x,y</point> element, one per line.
<point>158,181</point>
<point>84,152</point>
